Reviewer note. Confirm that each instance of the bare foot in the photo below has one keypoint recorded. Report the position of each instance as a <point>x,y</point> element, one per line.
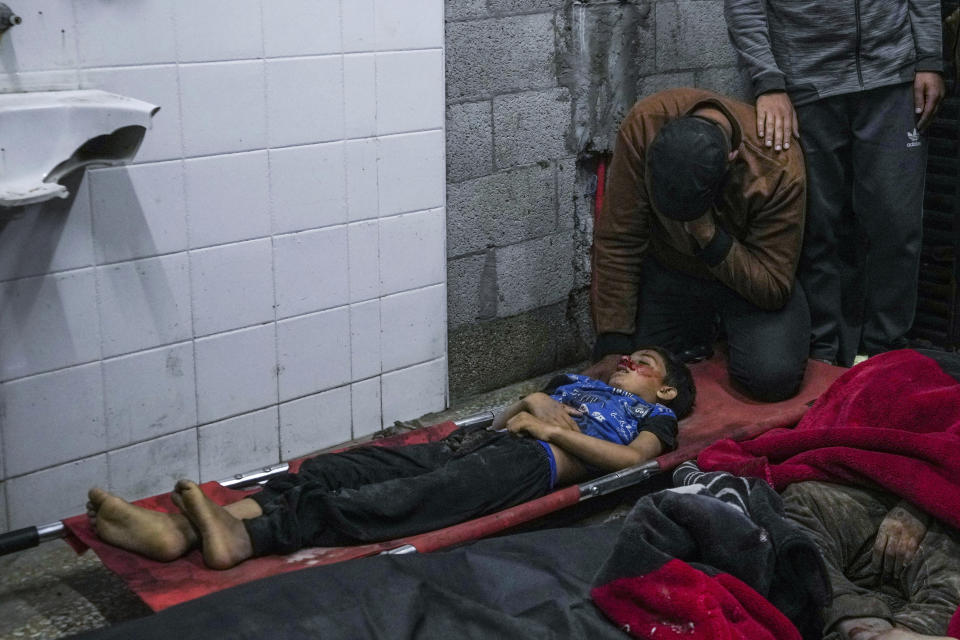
<point>156,535</point>
<point>223,538</point>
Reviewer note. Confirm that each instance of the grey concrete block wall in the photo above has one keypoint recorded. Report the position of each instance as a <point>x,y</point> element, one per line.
<point>535,91</point>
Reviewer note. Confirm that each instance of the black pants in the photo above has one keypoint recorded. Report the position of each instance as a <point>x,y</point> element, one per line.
<point>370,494</point>
<point>767,349</point>
<point>865,176</point>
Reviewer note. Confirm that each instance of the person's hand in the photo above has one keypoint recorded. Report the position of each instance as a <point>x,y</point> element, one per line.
<point>862,628</point>
<point>928,91</point>
<point>905,634</point>
<point>776,120</point>
<point>542,406</point>
<point>898,538</point>
<point>702,229</point>
<point>525,424</point>
<point>603,368</point>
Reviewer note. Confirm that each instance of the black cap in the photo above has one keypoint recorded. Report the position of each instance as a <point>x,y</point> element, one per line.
<point>686,163</point>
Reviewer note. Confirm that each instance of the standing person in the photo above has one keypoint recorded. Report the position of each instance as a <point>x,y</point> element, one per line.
<point>861,80</point>
<point>701,225</point>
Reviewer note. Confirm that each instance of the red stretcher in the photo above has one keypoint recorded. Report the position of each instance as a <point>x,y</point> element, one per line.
<point>721,411</point>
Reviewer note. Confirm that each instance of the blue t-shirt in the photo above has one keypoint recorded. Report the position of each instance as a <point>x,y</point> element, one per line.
<point>611,414</point>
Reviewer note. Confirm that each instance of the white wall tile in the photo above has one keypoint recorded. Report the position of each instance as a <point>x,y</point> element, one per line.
<point>413,328</point>
<point>227,198</point>
<point>315,422</point>
<point>149,394</point>
<point>54,494</point>
<point>46,39</point>
<point>48,322</point>
<point>138,211</point>
<point>358,25</point>
<point>312,271</point>
<point>232,286</point>
<point>54,236</point>
<point>410,94</point>
<point>218,30</point>
<point>360,94</point>
<point>236,372</point>
<point>364,260</point>
<point>301,27</point>
<point>411,172</point>
<point>365,397</point>
<point>239,444</point>
<point>360,157</point>
<point>365,339</point>
<point>39,81</point>
<point>307,187</point>
<point>53,418</point>
<point>159,85</point>
<point>304,100</point>
<point>415,391</point>
<point>144,304</point>
<point>314,353</point>
<point>141,268</point>
<point>413,24</point>
<point>224,107</point>
<point>139,32</point>
<point>412,250</point>
<point>153,467</point>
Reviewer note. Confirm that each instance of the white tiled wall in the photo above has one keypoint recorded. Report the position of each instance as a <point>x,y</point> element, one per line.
<point>266,279</point>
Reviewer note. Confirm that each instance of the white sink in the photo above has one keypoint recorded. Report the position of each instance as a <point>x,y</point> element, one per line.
<point>46,135</point>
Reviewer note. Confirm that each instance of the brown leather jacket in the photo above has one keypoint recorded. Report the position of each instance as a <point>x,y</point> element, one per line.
<point>759,216</point>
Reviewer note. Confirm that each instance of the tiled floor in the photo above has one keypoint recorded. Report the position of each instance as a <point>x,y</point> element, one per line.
<point>50,592</point>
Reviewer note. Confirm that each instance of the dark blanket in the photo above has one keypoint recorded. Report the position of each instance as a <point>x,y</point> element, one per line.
<point>533,585</point>
<point>714,558</point>
<point>892,422</point>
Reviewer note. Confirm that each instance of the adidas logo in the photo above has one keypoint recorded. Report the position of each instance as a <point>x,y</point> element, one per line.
<point>913,138</point>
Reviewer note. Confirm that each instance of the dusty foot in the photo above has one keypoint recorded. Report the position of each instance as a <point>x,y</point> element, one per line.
<point>156,535</point>
<point>223,538</point>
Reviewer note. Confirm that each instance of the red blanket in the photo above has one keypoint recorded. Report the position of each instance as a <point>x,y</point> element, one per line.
<point>891,422</point>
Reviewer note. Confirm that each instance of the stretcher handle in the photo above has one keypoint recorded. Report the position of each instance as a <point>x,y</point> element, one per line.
<point>30,537</point>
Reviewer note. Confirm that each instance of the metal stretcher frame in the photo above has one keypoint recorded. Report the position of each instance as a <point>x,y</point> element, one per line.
<point>29,537</point>
<point>715,396</point>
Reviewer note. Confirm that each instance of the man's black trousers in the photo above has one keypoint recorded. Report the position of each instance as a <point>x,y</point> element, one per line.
<point>865,174</point>
<point>373,493</point>
<point>767,349</point>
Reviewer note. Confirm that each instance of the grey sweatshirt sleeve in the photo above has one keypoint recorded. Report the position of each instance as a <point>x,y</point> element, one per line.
<point>927,34</point>
<point>750,34</point>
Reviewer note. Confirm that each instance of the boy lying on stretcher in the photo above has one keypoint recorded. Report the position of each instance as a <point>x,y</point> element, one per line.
<point>580,427</point>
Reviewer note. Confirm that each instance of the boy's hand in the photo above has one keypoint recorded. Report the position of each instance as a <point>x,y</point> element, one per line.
<point>525,424</point>
<point>898,538</point>
<point>542,406</point>
<point>603,368</point>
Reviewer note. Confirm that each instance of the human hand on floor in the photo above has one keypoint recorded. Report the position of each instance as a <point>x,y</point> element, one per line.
<point>905,634</point>
<point>862,628</point>
<point>542,406</point>
<point>898,538</point>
